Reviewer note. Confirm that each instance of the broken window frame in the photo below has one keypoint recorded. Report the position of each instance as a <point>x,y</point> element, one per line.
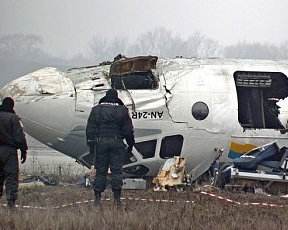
<point>258,93</point>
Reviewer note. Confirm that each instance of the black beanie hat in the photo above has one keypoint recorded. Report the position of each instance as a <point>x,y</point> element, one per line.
<point>9,102</point>
<point>112,93</point>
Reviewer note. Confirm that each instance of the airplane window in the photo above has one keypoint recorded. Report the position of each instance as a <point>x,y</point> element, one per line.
<point>200,110</point>
<point>171,146</point>
<point>146,148</point>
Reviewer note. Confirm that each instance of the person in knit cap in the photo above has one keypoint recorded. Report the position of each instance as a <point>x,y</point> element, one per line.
<point>109,123</point>
<point>12,137</point>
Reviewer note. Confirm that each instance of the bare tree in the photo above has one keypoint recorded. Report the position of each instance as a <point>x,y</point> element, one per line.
<point>159,42</point>
<point>177,47</point>
<point>20,45</point>
<point>103,49</point>
<point>118,45</point>
<point>254,50</point>
<point>156,42</point>
<point>194,44</point>
<point>200,46</point>
<point>99,48</point>
<point>209,48</point>
<point>284,50</point>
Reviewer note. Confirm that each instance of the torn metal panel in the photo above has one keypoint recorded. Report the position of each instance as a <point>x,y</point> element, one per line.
<point>43,99</point>
<point>132,65</point>
<point>171,174</point>
<point>134,183</point>
<point>92,78</point>
<point>134,73</point>
<point>145,101</point>
<point>44,82</point>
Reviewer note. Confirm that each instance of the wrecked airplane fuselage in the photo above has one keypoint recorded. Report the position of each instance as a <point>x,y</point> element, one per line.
<point>180,107</point>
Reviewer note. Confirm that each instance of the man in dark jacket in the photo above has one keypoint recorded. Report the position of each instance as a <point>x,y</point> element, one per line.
<point>12,138</point>
<point>108,124</point>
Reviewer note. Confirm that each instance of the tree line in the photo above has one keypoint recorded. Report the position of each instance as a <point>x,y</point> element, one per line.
<point>160,42</point>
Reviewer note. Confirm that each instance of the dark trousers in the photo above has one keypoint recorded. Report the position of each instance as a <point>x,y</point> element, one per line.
<point>109,152</point>
<point>9,172</point>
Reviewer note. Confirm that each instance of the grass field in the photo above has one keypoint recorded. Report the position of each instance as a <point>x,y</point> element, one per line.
<point>70,206</point>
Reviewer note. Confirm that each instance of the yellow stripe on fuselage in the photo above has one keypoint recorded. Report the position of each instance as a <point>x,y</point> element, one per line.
<point>241,148</point>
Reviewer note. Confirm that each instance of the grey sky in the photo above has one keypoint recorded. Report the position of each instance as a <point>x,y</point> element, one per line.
<point>67,26</point>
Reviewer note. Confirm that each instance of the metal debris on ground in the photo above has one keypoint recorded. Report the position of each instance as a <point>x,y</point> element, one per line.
<point>46,180</point>
<point>89,176</point>
<point>171,174</point>
<point>134,183</point>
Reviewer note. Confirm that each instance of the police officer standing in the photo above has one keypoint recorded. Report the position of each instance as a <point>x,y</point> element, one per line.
<point>12,138</point>
<point>108,124</point>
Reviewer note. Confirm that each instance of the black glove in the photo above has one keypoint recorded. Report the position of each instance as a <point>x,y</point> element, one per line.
<point>130,147</point>
<point>23,156</point>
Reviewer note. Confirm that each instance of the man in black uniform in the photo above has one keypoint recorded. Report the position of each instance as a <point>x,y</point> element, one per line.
<point>108,124</point>
<point>12,138</point>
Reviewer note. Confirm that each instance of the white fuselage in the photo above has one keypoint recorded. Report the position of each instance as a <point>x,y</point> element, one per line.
<point>193,112</point>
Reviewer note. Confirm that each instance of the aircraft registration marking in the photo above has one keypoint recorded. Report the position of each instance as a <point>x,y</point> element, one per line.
<point>147,115</point>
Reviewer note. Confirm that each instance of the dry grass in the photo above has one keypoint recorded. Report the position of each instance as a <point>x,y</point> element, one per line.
<point>44,208</point>
<point>157,212</point>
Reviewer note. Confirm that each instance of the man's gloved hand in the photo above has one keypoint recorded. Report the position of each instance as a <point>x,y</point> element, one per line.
<point>23,156</point>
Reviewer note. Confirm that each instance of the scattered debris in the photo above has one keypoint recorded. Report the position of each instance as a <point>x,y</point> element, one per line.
<point>171,174</point>
<point>89,176</point>
<point>46,180</point>
<point>31,184</point>
<point>134,183</point>
<point>261,170</point>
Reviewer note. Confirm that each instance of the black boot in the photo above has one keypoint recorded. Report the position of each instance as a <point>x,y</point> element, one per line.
<point>97,198</point>
<point>117,198</point>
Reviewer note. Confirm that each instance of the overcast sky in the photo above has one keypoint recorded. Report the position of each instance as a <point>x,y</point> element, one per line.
<point>67,26</point>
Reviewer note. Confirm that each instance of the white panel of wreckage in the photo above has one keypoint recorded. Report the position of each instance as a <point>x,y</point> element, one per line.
<point>43,97</point>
